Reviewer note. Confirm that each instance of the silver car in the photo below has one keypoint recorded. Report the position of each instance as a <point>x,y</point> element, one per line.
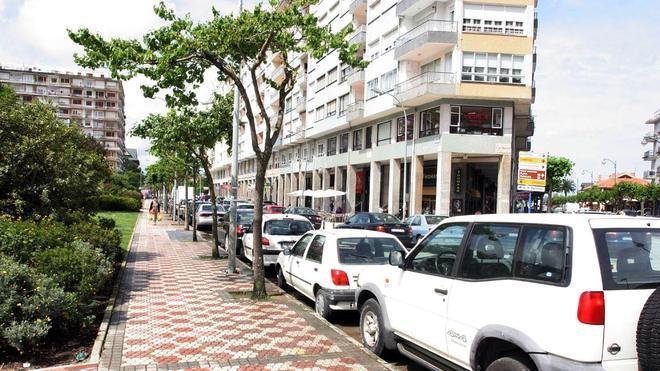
<point>422,224</point>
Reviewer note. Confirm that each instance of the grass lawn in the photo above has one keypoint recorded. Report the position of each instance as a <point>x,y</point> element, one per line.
<point>124,221</point>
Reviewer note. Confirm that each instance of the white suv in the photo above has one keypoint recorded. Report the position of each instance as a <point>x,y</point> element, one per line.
<point>521,292</point>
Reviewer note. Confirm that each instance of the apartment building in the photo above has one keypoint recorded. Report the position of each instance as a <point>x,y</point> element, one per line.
<point>653,154</point>
<point>94,103</point>
<point>462,73</point>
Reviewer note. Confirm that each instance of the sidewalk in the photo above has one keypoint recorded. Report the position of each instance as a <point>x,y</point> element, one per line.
<point>175,310</point>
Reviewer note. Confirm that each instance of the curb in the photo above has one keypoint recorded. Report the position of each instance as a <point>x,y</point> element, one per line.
<point>95,355</point>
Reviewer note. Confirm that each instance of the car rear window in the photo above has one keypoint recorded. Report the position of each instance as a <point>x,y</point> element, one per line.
<point>434,219</point>
<point>244,218</point>
<point>385,218</point>
<point>629,258</point>
<point>287,227</point>
<point>275,209</point>
<point>206,207</point>
<point>366,250</point>
<point>303,211</point>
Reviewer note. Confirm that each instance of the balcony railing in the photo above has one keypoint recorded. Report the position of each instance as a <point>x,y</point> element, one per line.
<point>355,110</point>
<point>430,25</point>
<point>359,36</point>
<point>649,174</point>
<point>356,76</point>
<point>357,5</point>
<point>426,78</point>
<point>649,155</point>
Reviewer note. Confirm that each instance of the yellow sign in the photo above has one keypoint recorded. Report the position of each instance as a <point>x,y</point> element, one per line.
<point>532,182</point>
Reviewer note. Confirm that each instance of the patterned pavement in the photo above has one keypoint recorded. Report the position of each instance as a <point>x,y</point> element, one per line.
<point>175,310</point>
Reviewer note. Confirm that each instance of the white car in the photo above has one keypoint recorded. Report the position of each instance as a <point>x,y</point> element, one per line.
<point>422,224</point>
<point>521,292</point>
<point>204,215</point>
<point>324,265</point>
<point>279,232</point>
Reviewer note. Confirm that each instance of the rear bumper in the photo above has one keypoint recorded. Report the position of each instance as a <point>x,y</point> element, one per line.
<point>552,362</point>
<point>341,299</point>
<point>270,257</point>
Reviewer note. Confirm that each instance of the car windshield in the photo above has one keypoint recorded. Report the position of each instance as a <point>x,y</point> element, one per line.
<point>244,218</point>
<point>274,209</point>
<point>366,250</point>
<point>434,219</point>
<point>245,206</point>
<point>302,211</point>
<point>287,227</point>
<point>629,258</point>
<point>385,218</point>
<point>205,208</point>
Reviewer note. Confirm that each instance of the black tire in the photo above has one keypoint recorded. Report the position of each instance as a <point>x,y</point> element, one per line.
<point>322,305</point>
<point>512,363</point>
<point>372,337</point>
<point>417,239</point>
<point>648,333</point>
<point>281,281</point>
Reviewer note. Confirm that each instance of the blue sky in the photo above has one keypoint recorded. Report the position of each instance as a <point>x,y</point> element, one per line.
<point>597,78</point>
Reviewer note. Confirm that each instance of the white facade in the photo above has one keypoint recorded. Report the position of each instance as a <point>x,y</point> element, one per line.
<point>651,138</point>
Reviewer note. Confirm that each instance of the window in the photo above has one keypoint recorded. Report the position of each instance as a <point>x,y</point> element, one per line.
<point>367,137</point>
<point>357,140</point>
<point>429,122</point>
<point>499,19</point>
<point>332,75</point>
<point>320,83</point>
<point>490,252</point>
<point>371,86</point>
<point>476,120</point>
<point>436,254</point>
<point>110,95</point>
<point>299,248</point>
<point>369,250</point>
<point>383,133</point>
<point>77,102</point>
<point>332,146</point>
<point>343,102</point>
<point>320,152</point>
<point>343,143</point>
<point>315,251</point>
<point>288,106</point>
<point>79,92</point>
<point>401,127</point>
<point>345,72</point>
<point>320,113</point>
<point>493,68</point>
<point>388,81</point>
<point>542,254</point>
<point>331,108</point>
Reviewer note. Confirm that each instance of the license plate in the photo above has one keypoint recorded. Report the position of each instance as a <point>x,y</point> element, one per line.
<point>395,230</point>
<point>286,244</point>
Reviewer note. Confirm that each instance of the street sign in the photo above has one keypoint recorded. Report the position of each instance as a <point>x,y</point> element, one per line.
<point>532,171</point>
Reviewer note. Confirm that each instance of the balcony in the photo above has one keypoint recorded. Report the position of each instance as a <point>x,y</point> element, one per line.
<point>426,87</point>
<point>426,40</point>
<point>412,7</point>
<point>301,105</point>
<point>357,6</point>
<point>276,73</point>
<point>359,36</point>
<point>649,138</point>
<point>355,111</point>
<point>650,156</point>
<point>649,174</point>
<point>302,79</point>
<point>356,77</point>
<point>274,97</point>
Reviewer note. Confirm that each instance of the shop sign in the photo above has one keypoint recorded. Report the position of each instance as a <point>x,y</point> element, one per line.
<point>458,181</point>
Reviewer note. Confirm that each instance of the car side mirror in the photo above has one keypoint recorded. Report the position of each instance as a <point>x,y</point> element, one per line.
<point>396,258</point>
<point>347,222</point>
<point>286,251</point>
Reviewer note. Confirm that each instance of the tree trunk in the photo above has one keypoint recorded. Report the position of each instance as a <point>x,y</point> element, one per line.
<point>259,287</point>
<point>214,208</point>
<point>185,185</point>
<point>194,206</point>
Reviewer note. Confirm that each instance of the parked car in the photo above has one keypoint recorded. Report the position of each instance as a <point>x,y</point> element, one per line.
<point>324,265</point>
<point>244,222</point>
<point>380,222</point>
<point>521,292</point>
<point>422,224</point>
<point>269,202</point>
<point>244,206</point>
<point>204,215</point>
<point>308,213</point>
<point>273,209</point>
<point>280,231</point>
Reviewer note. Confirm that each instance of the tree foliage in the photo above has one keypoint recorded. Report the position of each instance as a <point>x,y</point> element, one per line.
<point>558,169</point>
<point>46,166</point>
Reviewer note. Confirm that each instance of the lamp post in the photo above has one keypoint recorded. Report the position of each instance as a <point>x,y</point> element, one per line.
<point>405,147</point>
<point>605,160</point>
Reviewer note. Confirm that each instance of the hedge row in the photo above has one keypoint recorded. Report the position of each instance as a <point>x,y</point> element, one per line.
<point>110,202</point>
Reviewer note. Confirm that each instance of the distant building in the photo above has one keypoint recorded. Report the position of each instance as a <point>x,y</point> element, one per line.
<point>652,155</point>
<point>94,103</point>
<point>132,155</point>
<point>609,182</point>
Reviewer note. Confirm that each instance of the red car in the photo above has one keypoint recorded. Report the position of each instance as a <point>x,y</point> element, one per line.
<point>273,209</point>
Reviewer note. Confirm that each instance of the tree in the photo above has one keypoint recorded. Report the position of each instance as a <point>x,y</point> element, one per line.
<point>46,166</point>
<point>566,185</point>
<point>177,55</point>
<point>192,134</point>
<point>558,169</point>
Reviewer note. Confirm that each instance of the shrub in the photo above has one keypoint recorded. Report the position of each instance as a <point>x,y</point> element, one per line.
<point>29,304</point>
<point>107,223</point>
<point>110,202</point>
<point>20,239</point>
<point>77,267</point>
<point>107,240</point>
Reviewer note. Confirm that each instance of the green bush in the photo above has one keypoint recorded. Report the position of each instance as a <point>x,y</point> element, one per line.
<point>133,194</point>
<point>20,239</point>
<point>108,202</point>
<point>29,304</point>
<point>77,267</point>
<point>100,237</point>
<point>107,223</point>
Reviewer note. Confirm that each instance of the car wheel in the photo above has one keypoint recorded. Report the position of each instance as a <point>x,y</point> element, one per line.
<point>512,363</point>
<point>281,281</point>
<point>417,239</point>
<point>648,333</point>
<point>321,305</point>
<point>371,327</point>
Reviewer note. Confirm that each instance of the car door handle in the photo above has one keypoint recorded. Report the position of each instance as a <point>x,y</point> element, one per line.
<point>316,269</point>
<point>441,291</point>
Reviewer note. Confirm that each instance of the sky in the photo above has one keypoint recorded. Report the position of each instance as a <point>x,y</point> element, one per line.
<point>597,77</point>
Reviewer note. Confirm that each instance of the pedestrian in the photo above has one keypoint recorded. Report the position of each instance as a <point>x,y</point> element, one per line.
<point>154,209</point>
<point>332,206</point>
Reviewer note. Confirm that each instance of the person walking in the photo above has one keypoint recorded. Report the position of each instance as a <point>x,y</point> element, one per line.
<point>154,209</point>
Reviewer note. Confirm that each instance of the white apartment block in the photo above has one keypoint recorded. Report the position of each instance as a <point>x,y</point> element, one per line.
<point>94,103</point>
<point>653,154</point>
<point>462,70</point>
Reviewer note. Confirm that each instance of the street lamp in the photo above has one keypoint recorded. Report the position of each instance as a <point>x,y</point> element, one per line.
<point>405,147</point>
<point>591,173</point>
<point>606,160</point>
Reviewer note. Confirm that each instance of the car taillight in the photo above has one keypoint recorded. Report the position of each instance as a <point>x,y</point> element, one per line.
<point>408,230</point>
<point>339,278</point>
<point>264,241</point>
<point>591,309</point>
<point>239,229</point>
<point>380,228</point>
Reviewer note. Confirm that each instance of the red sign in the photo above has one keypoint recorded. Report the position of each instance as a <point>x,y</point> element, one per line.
<point>359,182</point>
<point>531,174</point>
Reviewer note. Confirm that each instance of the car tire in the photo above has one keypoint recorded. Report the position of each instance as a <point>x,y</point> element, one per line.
<point>417,239</point>
<point>281,281</point>
<point>648,333</point>
<point>512,363</point>
<point>372,329</point>
<point>321,304</point>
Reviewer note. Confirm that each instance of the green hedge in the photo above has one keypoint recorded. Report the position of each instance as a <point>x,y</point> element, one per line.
<point>109,202</point>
